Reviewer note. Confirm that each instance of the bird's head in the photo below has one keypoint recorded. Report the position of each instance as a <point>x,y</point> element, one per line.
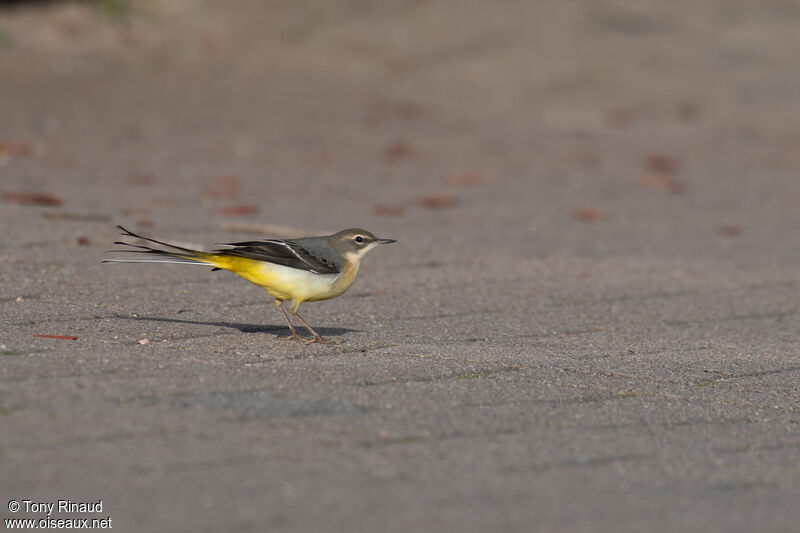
<point>353,244</point>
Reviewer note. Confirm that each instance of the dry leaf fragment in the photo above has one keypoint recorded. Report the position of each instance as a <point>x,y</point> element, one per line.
<point>240,210</point>
<point>730,230</point>
<point>660,173</point>
<point>437,201</point>
<point>389,210</point>
<point>76,217</point>
<point>469,179</point>
<point>397,151</point>
<point>587,214</point>
<point>14,149</point>
<point>662,164</point>
<point>225,186</point>
<point>657,180</point>
<point>32,198</point>
<point>62,337</point>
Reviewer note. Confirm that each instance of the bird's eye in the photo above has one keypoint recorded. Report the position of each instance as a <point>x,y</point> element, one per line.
<point>359,239</point>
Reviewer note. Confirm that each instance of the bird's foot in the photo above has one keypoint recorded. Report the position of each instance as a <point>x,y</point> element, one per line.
<point>320,340</point>
<point>294,336</point>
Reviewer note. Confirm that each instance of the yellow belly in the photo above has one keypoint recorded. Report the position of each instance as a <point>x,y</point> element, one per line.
<point>285,283</point>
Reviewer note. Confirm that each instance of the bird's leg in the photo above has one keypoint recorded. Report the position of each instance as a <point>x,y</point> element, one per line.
<point>294,334</point>
<point>317,338</point>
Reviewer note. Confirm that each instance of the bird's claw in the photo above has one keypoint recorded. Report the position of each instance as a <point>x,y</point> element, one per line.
<point>320,340</point>
<point>308,340</point>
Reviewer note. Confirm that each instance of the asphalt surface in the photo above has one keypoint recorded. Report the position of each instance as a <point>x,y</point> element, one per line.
<point>589,322</point>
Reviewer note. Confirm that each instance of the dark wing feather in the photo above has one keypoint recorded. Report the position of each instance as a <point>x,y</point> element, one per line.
<point>282,252</point>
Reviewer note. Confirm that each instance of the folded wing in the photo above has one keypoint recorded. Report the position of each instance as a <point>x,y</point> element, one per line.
<point>282,252</point>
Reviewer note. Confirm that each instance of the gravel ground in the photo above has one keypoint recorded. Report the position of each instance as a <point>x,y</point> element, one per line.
<point>589,322</point>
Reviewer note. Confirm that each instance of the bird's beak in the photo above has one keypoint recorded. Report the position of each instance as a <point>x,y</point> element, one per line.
<point>385,241</point>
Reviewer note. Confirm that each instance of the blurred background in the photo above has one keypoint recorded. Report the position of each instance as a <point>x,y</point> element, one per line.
<point>649,116</point>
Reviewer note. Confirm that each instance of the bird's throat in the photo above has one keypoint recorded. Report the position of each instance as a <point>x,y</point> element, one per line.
<point>347,275</point>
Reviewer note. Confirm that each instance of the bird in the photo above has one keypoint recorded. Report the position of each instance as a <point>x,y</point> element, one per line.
<point>307,269</point>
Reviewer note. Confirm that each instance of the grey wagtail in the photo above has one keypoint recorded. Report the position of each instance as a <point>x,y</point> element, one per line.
<point>301,270</point>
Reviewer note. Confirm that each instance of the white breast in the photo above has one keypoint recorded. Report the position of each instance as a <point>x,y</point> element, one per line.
<point>286,283</point>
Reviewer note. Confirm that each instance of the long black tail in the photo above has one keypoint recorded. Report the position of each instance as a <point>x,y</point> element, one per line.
<point>174,253</point>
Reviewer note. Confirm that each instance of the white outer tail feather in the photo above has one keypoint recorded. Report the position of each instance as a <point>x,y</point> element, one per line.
<point>173,261</point>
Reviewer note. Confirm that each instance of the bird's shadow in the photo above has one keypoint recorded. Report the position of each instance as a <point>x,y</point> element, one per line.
<point>278,331</point>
